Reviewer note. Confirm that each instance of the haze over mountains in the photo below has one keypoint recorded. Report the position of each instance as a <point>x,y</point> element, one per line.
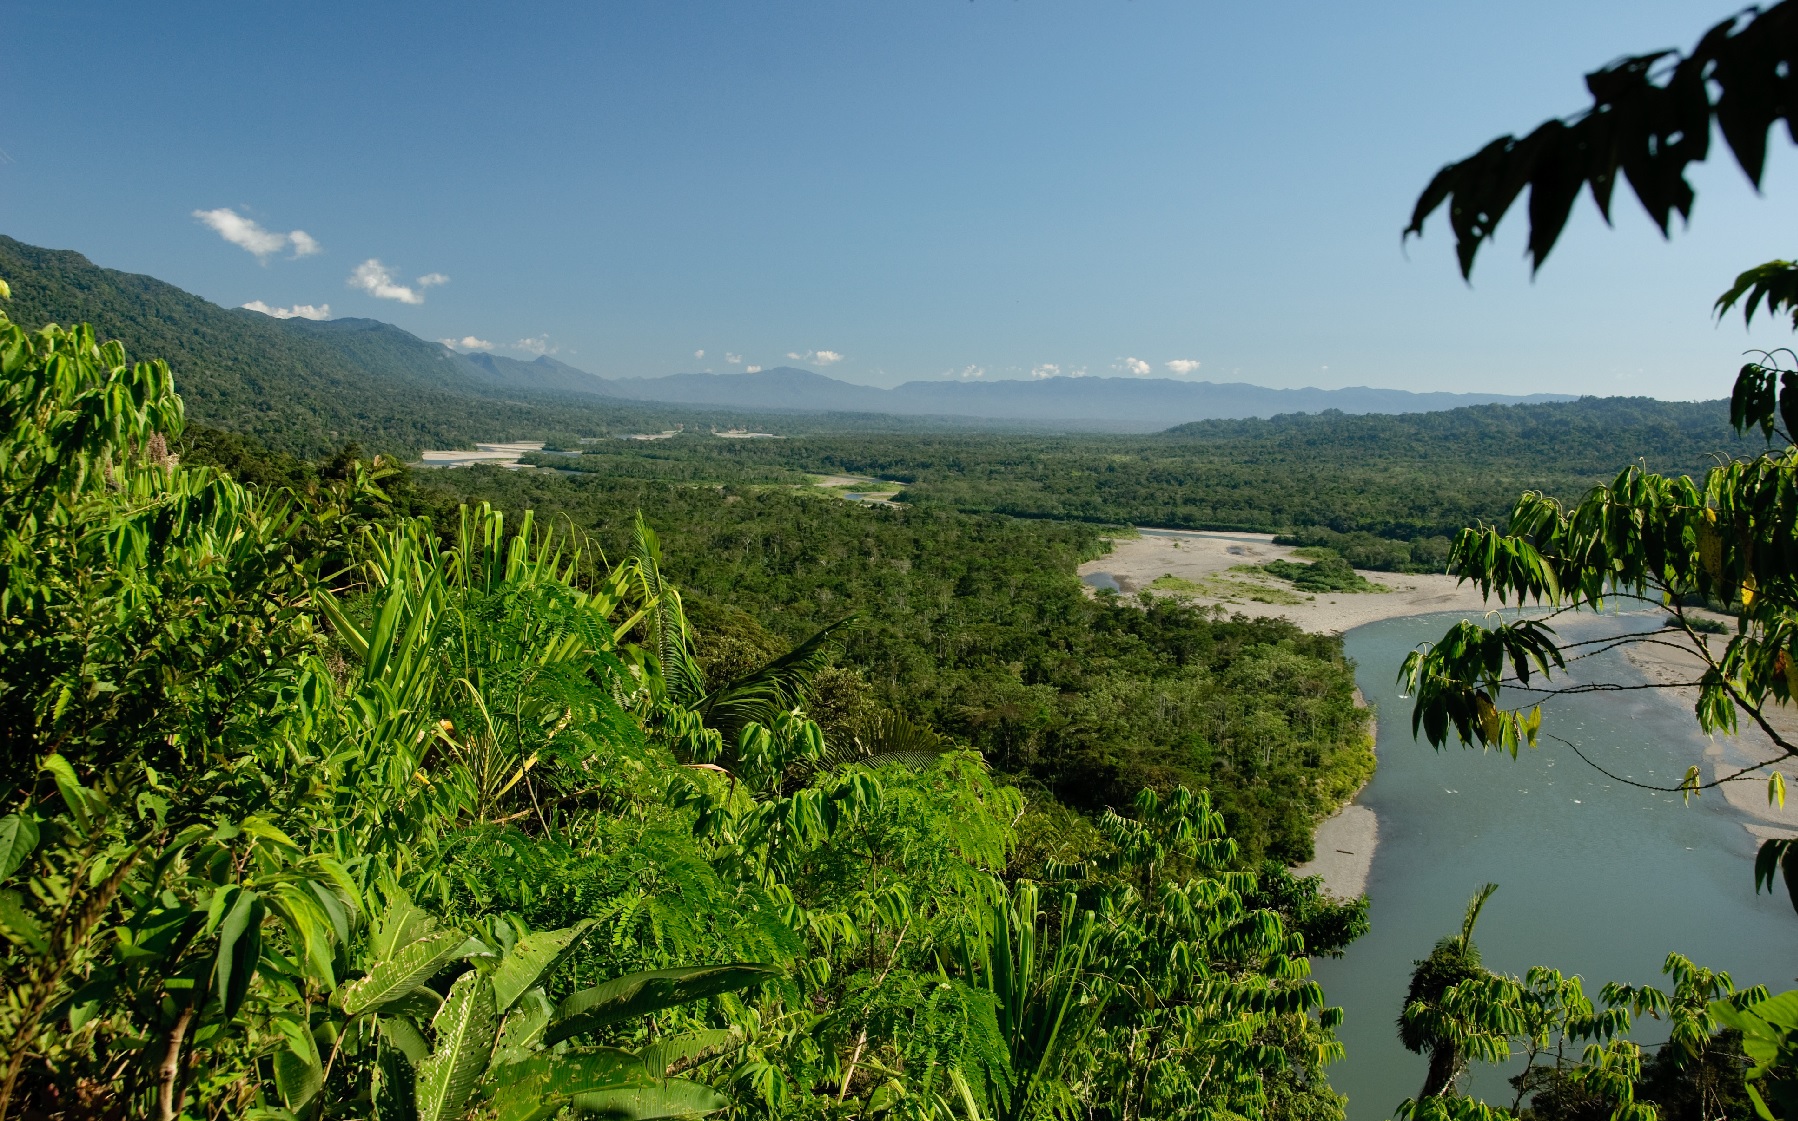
<point>365,379</point>
<point>1146,404</point>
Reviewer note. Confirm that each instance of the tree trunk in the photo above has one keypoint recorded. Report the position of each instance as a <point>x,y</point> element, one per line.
<point>167,1099</point>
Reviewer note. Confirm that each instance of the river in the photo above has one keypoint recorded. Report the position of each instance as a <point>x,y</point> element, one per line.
<point>1596,878</point>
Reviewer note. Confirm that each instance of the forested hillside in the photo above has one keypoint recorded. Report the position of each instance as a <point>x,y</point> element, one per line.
<point>309,388</point>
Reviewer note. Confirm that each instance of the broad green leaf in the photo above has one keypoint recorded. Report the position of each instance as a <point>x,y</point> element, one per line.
<point>299,1075</point>
<point>544,1083</point>
<point>400,924</point>
<point>18,837</point>
<point>687,1050</point>
<point>421,1004</point>
<point>674,1098</point>
<point>396,1085</point>
<point>532,959</point>
<point>639,994</point>
<point>522,1032</point>
<point>402,1033</point>
<point>407,969</point>
<point>464,1029</point>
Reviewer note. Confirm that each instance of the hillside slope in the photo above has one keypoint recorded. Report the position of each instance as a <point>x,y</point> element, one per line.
<point>296,385</point>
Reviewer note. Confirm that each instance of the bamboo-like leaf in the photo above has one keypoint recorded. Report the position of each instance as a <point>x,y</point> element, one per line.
<point>340,622</point>
<point>18,837</point>
<point>464,1028</point>
<point>407,969</point>
<point>1776,790</point>
<point>674,1098</point>
<point>641,993</point>
<point>532,959</point>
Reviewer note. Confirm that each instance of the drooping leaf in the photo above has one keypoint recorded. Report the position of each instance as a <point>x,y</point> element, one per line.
<point>239,950</point>
<point>641,993</point>
<point>464,1030</point>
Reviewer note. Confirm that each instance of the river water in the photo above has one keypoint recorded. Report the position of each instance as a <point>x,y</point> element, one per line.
<point>1595,877</point>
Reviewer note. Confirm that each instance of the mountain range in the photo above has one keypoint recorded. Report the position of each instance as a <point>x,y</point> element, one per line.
<point>303,386</point>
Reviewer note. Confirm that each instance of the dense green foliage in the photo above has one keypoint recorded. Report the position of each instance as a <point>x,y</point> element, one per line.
<point>977,626</point>
<point>1328,572</point>
<point>314,809</point>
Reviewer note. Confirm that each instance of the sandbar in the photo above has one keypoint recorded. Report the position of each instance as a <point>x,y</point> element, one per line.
<point>1207,569</point>
<point>1725,754</point>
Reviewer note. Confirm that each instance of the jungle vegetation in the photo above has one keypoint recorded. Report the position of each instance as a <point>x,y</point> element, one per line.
<point>318,807</point>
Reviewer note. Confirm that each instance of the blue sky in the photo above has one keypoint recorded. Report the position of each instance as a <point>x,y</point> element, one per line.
<point>891,190</point>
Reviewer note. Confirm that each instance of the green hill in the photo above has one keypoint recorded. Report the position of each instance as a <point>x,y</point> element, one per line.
<point>297,386</point>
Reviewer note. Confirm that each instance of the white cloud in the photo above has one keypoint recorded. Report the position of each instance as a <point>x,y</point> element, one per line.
<point>372,277</point>
<point>1137,367</point>
<point>818,357</point>
<point>467,343</point>
<point>970,371</point>
<point>754,369</point>
<point>432,280</point>
<point>246,234</point>
<point>297,311</point>
<point>538,345</point>
<point>1184,365</point>
<point>699,354</point>
<point>733,359</point>
<point>1046,370</point>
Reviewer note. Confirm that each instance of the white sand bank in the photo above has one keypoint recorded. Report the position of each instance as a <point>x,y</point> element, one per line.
<point>1729,754</point>
<point>1201,564</point>
<point>1345,846</point>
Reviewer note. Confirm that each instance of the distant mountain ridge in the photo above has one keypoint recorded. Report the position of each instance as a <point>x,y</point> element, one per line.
<point>305,386</point>
<point>1147,404</point>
